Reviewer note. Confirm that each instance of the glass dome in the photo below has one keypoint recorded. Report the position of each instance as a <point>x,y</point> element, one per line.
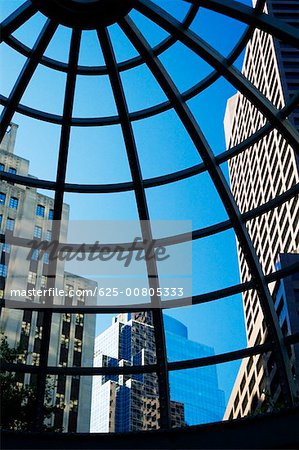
<point>119,106</point>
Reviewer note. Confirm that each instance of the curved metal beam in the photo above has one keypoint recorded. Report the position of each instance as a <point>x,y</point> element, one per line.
<point>167,304</point>
<point>16,19</point>
<point>212,57</point>
<point>26,75</point>
<point>179,238</point>
<point>150,368</point>
<point>138,115</point>
<point>244,13</point>
<point>225,194</point>
<point>100,70</point>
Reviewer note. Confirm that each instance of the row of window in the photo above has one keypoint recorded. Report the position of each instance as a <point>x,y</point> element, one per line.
<point>13,201</point>
<point>10,223</point>
<point>40,212</point>
<point>10,170</point>
<point>38,231</point>
<point>32,278</point>
<point>3,270</point>
<point>36,255</point>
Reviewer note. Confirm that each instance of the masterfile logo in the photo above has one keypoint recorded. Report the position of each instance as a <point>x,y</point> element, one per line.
<point>148,264</point>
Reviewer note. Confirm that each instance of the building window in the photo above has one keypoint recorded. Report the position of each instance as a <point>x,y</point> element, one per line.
<point>6,248</point>
<point>40,211</point>
<point>78,345</point>
<point>12,170</point>
<point>46,258</point>
<point>243,382</point>
<point>10,224</point>
<point>1,219</point>
<point>13,202</point>
<point>2,167</point>
<point>35,255</point>
<point>236,402</point>
<point>245,402</point>
<point>3,270</point>
<point>48,235</point>
<point>37,232</point>
<point>69,290</point>
<point>64,341</point>
<point>2,198</point>
<point>44,281</point>
<point>51,213</point>
<point>31,277</point>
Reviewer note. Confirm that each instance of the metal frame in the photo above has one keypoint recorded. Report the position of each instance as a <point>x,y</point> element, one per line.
<point>178,31</point>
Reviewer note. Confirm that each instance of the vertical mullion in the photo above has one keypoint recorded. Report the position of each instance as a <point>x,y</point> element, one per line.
<point>133,159</point>
<point>57,215</point>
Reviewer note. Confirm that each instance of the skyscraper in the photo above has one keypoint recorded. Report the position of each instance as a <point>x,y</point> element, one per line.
<point>196,389</point>
<point>257,175</point>
<point>130,402</point>
<point>26,213</point>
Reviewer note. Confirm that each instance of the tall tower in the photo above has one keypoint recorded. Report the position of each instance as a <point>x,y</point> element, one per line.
<point>26,213</point>
<point>131,402</point>
<point>260,173</point>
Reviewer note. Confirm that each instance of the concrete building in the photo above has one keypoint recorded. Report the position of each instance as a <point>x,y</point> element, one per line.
<point>257,175</point>
<point>131,402</point>
<point>26,213</point>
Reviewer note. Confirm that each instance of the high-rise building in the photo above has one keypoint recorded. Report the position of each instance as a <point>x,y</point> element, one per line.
<point>260,173</point>
<point>26,213</point>
<point>131,402</point>
<point>197,389</point>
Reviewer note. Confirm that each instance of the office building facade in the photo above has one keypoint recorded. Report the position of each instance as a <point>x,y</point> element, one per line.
<point>28,214</point>
<point>130,402</point>
<point>260,173</point>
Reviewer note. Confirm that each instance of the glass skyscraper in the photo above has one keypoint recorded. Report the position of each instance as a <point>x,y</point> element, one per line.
<point>130,402</point>
<point>196,388</point>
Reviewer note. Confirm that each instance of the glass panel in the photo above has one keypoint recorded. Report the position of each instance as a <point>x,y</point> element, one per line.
<point>93,97</point>
<point>212,269</point>
<point>152,32</point>
<point>141,88</point>
<point>90,51</point>
<point>209,109</point>
<point>26,141</point>
<point>184,66</point>
<point>57,51</point>
<point>123,49</point>
<point>226,391</point>
<point>9,7</point>
<point>204,330</point>
<point>170,148</point>
<point>29,31</point>
<point>97,155</point>
<point>200,392</point>
<point>189,199</point>
<point>207,21</point>
<point>14,63</point>
<point>39,94</point>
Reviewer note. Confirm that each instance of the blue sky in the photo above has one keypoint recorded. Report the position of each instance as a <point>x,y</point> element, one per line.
<point>97,155</point>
